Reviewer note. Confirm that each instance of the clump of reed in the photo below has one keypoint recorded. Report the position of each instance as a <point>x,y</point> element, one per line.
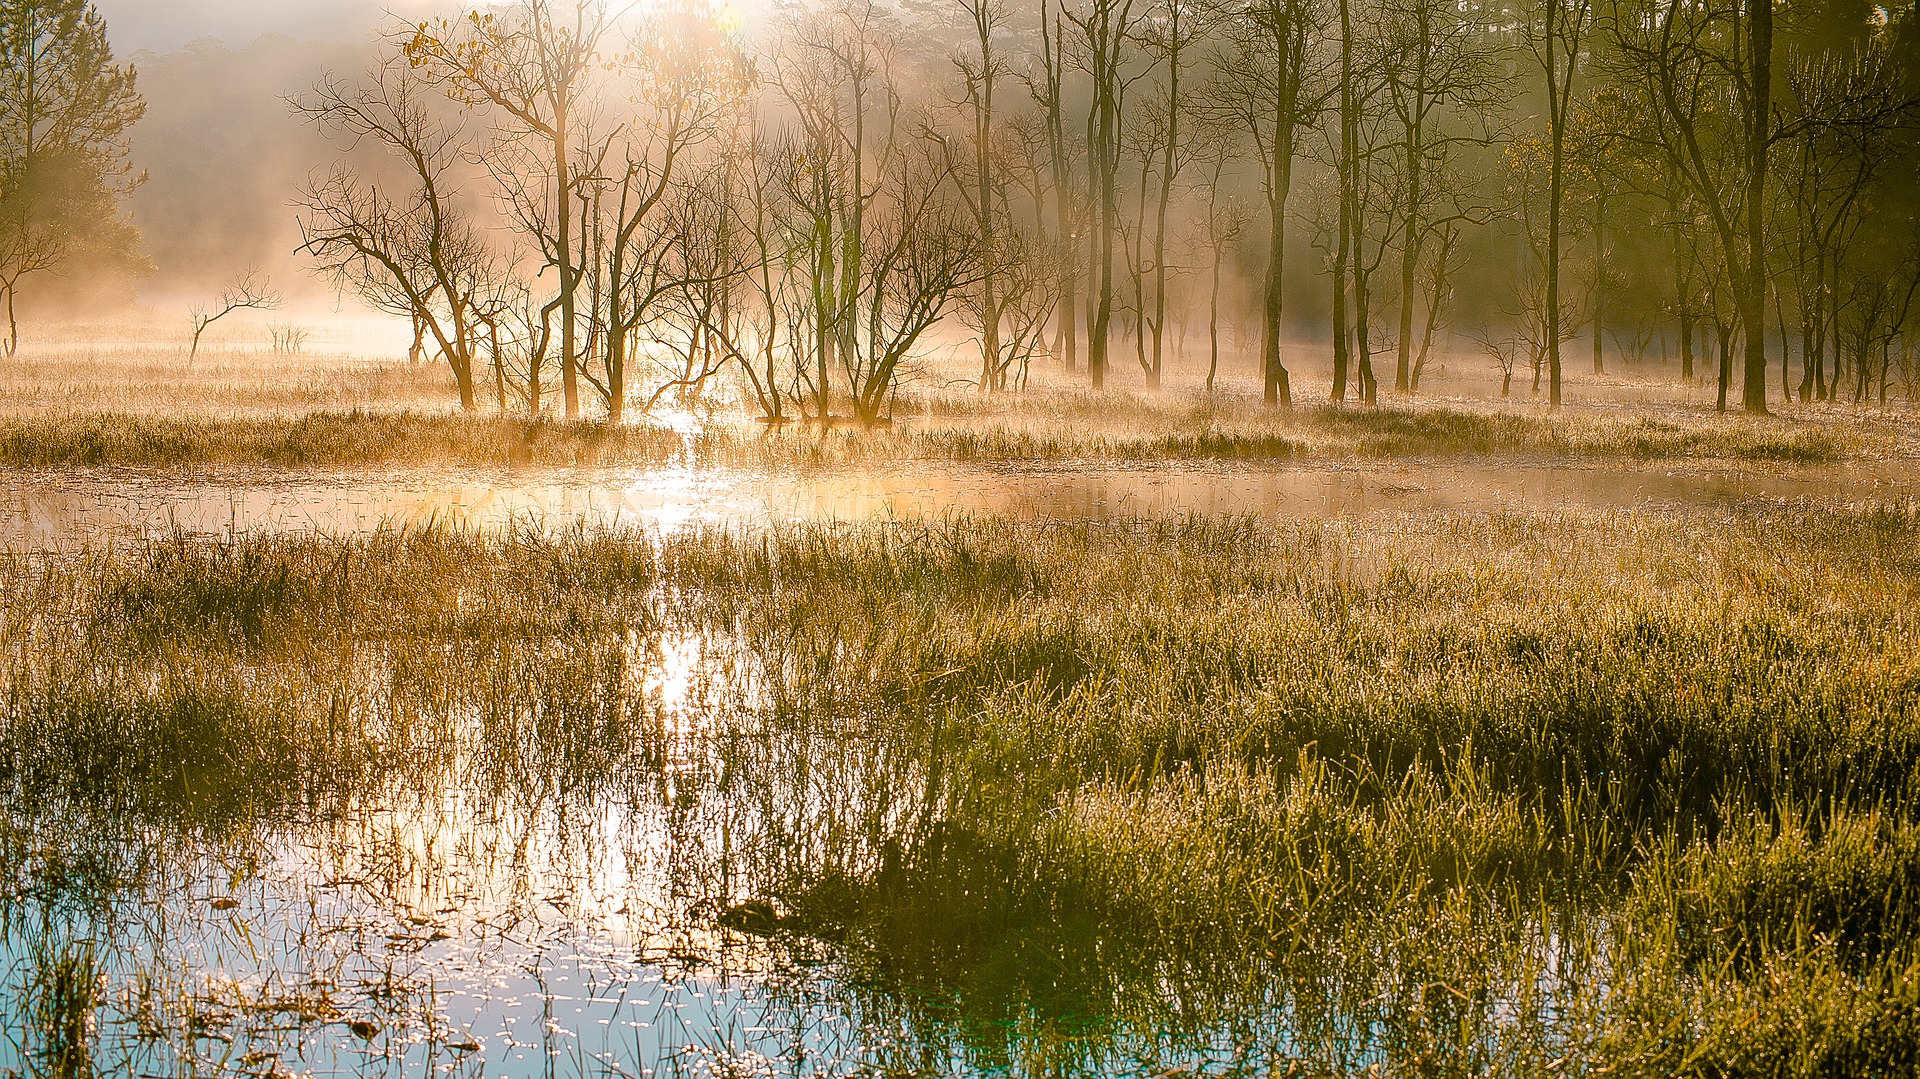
<point>62,993</point>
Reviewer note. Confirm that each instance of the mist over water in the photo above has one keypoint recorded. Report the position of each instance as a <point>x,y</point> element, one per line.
<point>40,512</point>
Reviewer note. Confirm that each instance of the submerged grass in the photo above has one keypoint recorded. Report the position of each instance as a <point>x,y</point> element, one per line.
<point>1454,795</point>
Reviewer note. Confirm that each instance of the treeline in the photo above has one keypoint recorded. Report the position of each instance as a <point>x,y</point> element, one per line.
<point>618,209</point>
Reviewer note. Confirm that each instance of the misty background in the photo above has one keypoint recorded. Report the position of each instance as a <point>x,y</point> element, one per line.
<point>221,152</point>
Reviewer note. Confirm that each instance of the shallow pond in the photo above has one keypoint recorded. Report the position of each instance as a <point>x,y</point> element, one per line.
<point>525,901</point>
<point>58,507</point>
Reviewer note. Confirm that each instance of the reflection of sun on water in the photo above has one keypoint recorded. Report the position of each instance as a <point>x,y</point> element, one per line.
<point>669,682</point>
<point>453,865</point>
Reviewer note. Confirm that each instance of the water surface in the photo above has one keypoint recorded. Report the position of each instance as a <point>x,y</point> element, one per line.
<point>56,507</point>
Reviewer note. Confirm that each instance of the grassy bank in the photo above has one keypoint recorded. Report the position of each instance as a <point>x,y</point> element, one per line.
<point>324,440</point>
<point>1461,795</point>
<point>1067,430</point>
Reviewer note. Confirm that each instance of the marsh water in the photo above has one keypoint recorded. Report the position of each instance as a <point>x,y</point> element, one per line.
<point>525,908</point>
<point>521,909</point>
<point>56,508</point>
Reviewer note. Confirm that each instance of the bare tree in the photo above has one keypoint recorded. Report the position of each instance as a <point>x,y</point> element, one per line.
<point>1848,114</point>
<point>1266,83</point>
<point>534,64</point>
<point>1221,233</point>
<point>418,255</point>
<point>1705,73</point>
<point>1505,352</point>
<point>1173,30</point>
<point>249,293</point>
<point>1440,71</point>
<point>1556,38</point>
<point>1049,92</point>
<point>877,247</point>
<point>1106,29</point>
<point>1345,154</point>
<point>679,83</point>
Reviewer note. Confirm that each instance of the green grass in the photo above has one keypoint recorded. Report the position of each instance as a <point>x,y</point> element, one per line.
<point>1461,794</point>
<point>1067,431</point>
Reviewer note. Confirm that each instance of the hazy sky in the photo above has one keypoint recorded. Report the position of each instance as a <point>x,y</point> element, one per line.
<point>166,25</point>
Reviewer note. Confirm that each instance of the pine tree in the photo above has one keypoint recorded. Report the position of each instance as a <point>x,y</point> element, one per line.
<point>65,112</point>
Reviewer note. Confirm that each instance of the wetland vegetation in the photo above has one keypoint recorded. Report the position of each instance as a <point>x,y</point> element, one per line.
<point>1201,433</point>
<point>1462,795</point>
<point>724,604</point>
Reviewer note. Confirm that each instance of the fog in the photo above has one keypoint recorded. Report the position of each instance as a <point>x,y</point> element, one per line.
<point>223,157</point>
<point>148,26</point>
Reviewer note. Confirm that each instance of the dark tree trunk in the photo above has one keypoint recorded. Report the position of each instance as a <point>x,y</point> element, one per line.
<point>1725,335</point>
<point>1754,307</point>
<point>1599,282</point>
<point>1342,336</point>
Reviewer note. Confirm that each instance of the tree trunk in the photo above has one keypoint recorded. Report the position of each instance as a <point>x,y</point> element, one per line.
<point>1342,354</point>
<point>616,376</point>
<point>1812,342</point>
<point>1599,282</point>
<point>1436,296</point>
<point>1138,271</point>
<point>1278,390</point>
<point>991,372</point>
<point>1168,171</point>
<point>1686,343</point>
<point>463,378</point>
<point>563,213</point>
<point>1066,340</point>
<point>1362,327</point>
<point>1413,237</point>
<point>1760,36</point>
<point>1786,347</point>
<point>1342,341</point>
<point>1725,334</point>
<point>1832,389</point>
<point>1555,191</point>
<point>1103,162</point>
<point>1213,323</point>
<point>499,367</point>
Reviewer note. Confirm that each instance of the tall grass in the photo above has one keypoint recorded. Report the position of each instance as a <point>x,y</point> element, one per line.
<point>1448,795</point>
